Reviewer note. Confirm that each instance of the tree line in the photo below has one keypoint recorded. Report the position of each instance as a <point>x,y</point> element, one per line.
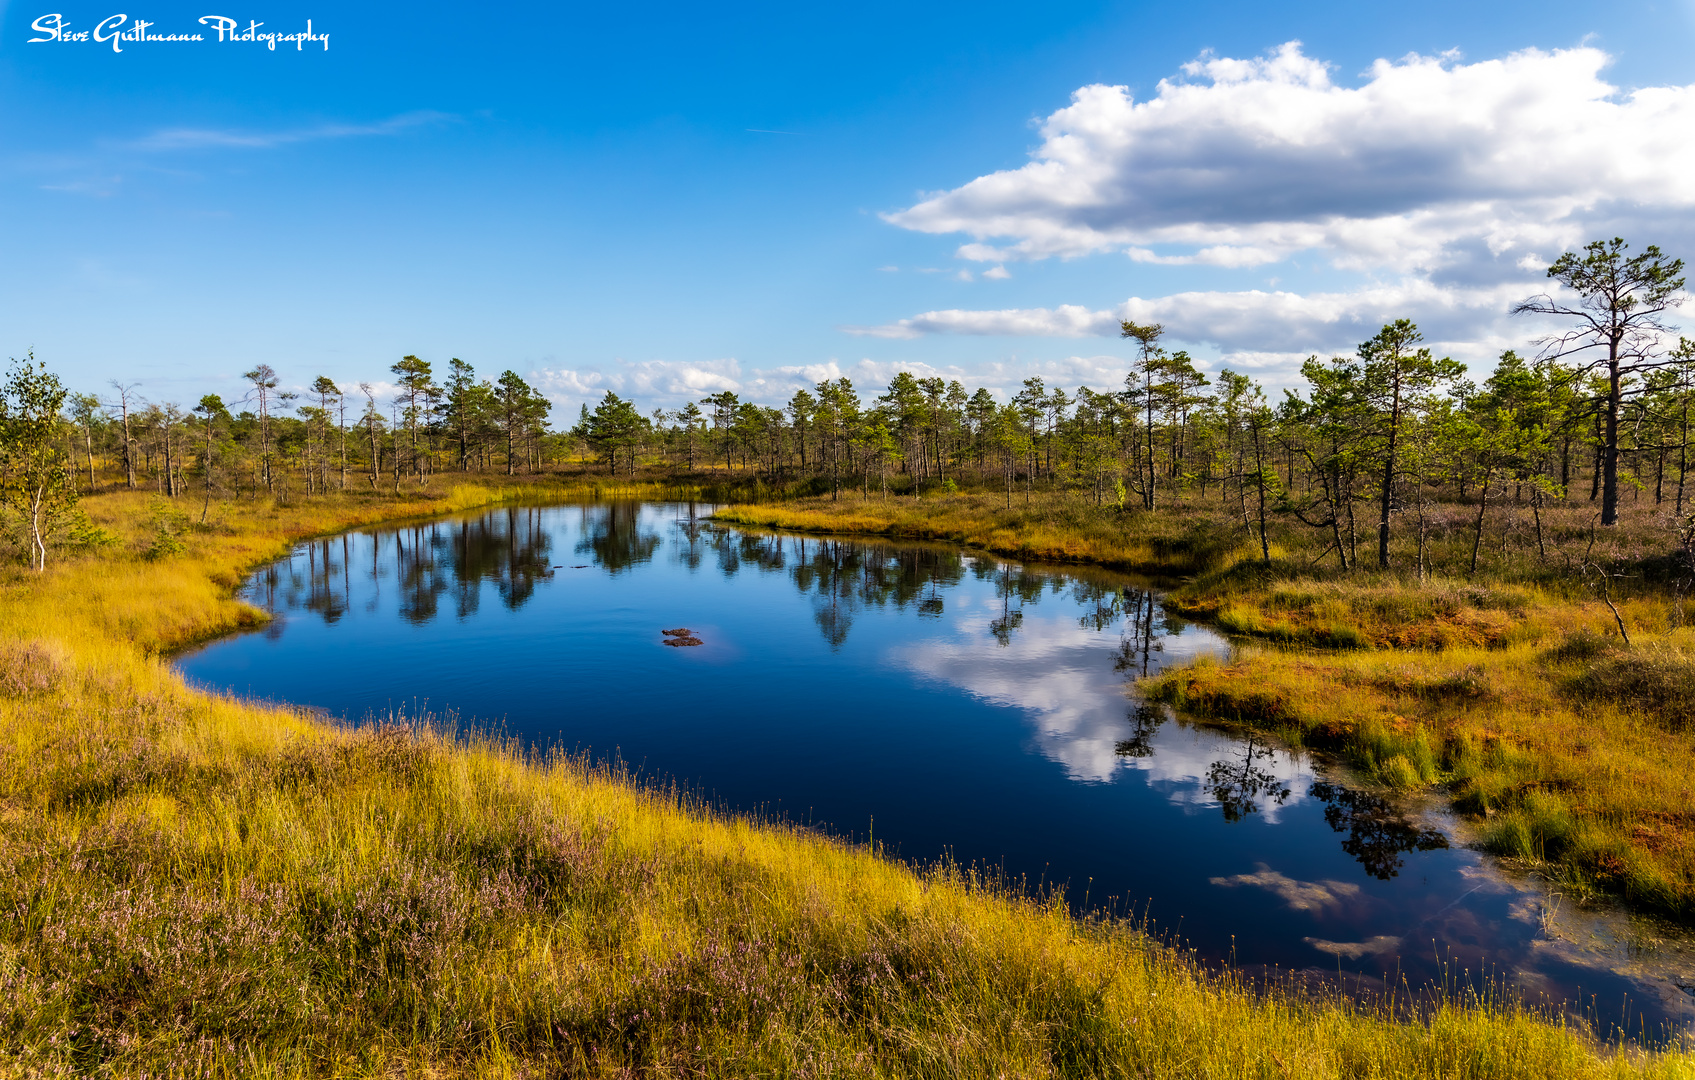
<point>1369,440</point>
<point>319,440</point>
<point>1370,444</point>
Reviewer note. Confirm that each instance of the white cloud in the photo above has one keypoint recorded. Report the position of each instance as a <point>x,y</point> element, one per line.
<point>667,379</point>
<point>812,374</point>
<point>1298,895</point>
<point>1067,320</point>
<point>1439,188</point>
<point>1382,945</point>
<point>670,383</point>
<point>1217,255</point>
<point>1260,330</point>
<point>1428,164</point>
<point>213,138</point>
<point>998,273</point>
<point>381,389</point>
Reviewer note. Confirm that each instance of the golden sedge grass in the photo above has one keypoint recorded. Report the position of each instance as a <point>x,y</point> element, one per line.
<point>195,885</point>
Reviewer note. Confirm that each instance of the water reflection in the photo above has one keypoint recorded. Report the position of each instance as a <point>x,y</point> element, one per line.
<point>1240,781</point>
<point>1379,833</point>
<point>1145,631</point>
<point>425,563</point>
<point>974,707</point>
<point>841,579</point>
<point>1145,722</point>
<point>615,536</point>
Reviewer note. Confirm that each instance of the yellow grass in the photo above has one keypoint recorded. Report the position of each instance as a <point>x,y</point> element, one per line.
<point>194,885</point>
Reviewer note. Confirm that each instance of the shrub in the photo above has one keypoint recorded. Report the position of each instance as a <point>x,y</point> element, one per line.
<point>165,544</point>
<point>1469,684</point>
<point>168,524</point>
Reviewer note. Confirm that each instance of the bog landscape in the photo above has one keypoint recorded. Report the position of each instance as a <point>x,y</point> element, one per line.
<point>1093,540</point>
<point>1445,616</point>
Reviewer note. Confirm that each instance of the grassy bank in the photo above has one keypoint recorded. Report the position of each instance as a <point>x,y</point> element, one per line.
<point>1048,529</point>
<point>198,886</point>
<point>1570,747</point>
<point>1512,690</point>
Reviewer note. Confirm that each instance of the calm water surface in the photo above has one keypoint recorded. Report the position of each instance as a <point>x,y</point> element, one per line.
<point>951,704</point>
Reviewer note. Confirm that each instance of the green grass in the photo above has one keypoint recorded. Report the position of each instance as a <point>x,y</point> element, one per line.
<point>198,886</point>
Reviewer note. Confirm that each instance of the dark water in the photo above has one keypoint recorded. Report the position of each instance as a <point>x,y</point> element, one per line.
<point>950,704</point>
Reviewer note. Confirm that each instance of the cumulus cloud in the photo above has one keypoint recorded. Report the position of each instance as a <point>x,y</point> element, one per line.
<point>1262,330</point>
<point>647,378</point>
<point>1428,163</point>
<point>353,389</point>
<point>672,382</point>
<point>1441,188</point>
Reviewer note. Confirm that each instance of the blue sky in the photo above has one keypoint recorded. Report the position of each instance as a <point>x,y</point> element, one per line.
<point>670,200</point>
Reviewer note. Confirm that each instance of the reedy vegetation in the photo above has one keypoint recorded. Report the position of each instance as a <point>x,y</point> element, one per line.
<point>196,885</point>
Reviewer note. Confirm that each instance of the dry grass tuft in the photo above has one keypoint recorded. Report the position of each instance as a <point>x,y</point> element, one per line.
<point>1656,681</point>
<point>30,667</point>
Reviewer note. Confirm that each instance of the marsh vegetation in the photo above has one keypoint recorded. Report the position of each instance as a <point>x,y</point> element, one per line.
<point>1473,589</point>
<point>203,884</point>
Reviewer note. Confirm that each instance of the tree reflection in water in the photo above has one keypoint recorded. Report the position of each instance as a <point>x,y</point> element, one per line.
<point>1239,782</point>
<point>1145,722</point>
<point>1378,832</point>
<point>932,606</point>
<point>613,534</point>
<point>735,550</point>
<point>688,550</point>
<point>1144,631</point>
<point>509,548</point>
<point>1009,583</point>
<point>513,551</point>
<point>329,592</point>
<point>842,577</point>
